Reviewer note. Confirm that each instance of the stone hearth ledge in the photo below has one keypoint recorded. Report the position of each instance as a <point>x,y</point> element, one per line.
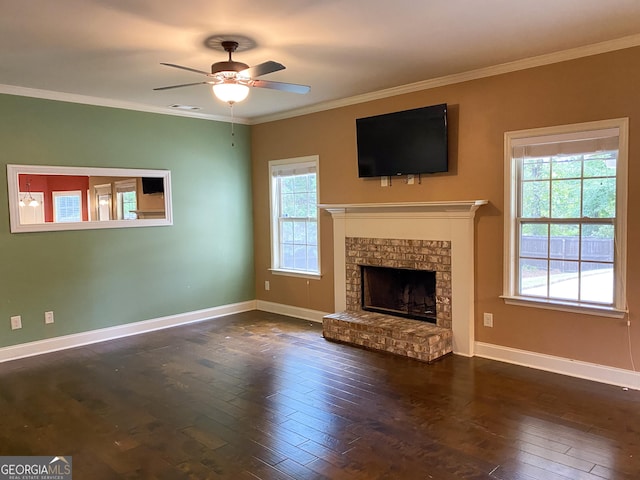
<point>409,338</point>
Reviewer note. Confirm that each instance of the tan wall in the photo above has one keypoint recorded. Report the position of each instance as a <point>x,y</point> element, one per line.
<point>480,111</point>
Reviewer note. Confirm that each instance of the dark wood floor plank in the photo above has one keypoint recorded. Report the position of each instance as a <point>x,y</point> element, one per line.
<point>263,397</point>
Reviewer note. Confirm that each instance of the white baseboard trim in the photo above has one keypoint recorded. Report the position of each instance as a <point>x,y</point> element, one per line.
<point>291,311</point>
<point>564,366</point>
<point>39,347</point>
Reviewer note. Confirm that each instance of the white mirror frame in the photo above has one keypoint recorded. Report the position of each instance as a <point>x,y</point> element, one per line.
<point>13,189</point>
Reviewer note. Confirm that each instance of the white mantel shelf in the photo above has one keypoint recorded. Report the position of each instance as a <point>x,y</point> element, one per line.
<point>451,221</point>
<point>461,206</point>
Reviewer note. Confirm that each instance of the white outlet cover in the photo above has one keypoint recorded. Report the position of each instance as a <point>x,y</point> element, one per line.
<point>16,322</point>
<point>48,317</point>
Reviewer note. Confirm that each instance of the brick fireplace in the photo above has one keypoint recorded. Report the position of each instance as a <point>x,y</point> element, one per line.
<point>433,236</point>
<point>420,255</point>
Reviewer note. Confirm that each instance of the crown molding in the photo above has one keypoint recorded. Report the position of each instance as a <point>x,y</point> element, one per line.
<point>107,102</point>
<point>538,61</point>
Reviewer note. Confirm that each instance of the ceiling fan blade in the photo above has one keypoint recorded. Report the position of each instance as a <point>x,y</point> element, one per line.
<point>185,68</point>
<point>261,69</point>
<point>284,87</point>
<point>181,85</point>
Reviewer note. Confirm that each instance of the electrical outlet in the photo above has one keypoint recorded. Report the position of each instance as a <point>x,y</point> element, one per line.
<point>411,179</point>
<point>16,322</point>
<point>488,319</point>
<point>267,285</point>
<point>384,181</point>
<point>48,317</point>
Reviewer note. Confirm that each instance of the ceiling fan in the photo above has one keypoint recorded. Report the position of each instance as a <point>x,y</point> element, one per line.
<point>231,80</point>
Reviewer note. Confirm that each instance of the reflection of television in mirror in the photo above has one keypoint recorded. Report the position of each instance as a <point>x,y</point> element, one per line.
<point>401,143</point>
<point>152,185</point>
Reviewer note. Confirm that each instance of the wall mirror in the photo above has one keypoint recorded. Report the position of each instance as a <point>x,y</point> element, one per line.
<point>46,198</point>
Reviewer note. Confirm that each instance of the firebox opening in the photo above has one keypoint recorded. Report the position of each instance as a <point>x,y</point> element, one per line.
<point>396,291</point>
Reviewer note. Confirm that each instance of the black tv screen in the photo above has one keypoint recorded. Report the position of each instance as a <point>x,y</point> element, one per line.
<point>152,185</point>
<point>402,143</point>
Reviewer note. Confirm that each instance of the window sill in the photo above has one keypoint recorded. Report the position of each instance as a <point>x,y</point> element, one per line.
<point>585,309</point>
<point>296,273</point>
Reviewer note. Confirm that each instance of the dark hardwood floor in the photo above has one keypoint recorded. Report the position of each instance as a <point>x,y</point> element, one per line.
<point>257,395</point>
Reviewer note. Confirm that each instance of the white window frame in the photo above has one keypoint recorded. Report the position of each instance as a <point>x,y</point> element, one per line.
<point>311,161</point>
<point>511,244</point>
<point>69,193</point>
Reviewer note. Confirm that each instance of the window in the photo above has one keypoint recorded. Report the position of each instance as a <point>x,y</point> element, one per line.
<point>294,216</point>
<point>67,206</point>
<point>126,200</point>
<point>565,218</point>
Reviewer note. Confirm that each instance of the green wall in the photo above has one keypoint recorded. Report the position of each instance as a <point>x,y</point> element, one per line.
<point>100,278</point>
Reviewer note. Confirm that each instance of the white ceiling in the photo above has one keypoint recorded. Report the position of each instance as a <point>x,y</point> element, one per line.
<point>110,50</point>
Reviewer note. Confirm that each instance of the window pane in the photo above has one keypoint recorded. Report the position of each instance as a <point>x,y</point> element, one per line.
<point>534,241</point>
<point>300,183</point>
<point>288,205</point>
<point>312,182</point>
<point>302,205</point>
<point>600,167</point>
<point>565,241</point>
<point>286,184</point>
<point>535,199</point>
<point>566,167</point>
<point>598,243</point>
<point>565,199</point>
<point>287,232</point>
<point>312,233</point>
<point>563,278</point>
<point>533,277</point>
<point>300,258</point>
<point>597,282</point>
<point>299,232</point>
<point>535,169</point>
<point>312,258</point>
<point>599,198</point>
<point>287,256</point>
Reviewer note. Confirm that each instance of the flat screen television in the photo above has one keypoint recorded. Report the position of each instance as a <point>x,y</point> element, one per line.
<point>402,143</point>
<point>152,185</point>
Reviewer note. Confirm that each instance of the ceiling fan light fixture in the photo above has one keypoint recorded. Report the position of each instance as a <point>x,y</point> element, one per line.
<point>230,92</point>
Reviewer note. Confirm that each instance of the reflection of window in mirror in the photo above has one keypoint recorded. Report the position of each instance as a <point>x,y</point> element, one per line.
<point>67,206</point>
<point>126,199</point>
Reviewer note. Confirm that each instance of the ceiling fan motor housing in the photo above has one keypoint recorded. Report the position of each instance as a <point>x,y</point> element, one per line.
<point>228,66</point>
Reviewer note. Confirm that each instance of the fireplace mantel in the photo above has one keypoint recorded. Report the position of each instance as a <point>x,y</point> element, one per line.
<point>455,206</point>
<point>451,221</point>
